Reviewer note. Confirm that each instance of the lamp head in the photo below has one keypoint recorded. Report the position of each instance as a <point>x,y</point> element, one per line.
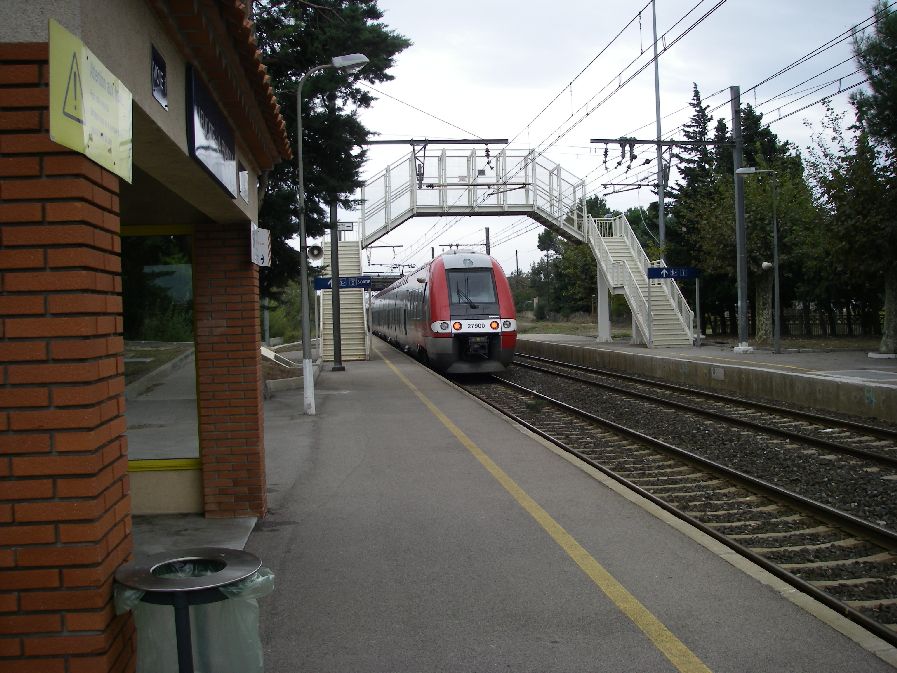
<point>349,62</point>
<point>746,170</point>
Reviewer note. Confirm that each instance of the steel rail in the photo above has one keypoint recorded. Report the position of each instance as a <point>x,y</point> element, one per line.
<point>878,431</point>
<point>881,536</point>
<point>734,420</point>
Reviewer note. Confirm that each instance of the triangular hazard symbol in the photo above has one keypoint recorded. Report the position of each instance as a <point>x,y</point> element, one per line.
<point>74,95</point>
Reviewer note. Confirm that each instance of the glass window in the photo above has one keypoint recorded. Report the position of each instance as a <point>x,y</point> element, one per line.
<point>471,286</point>
<point>160,370</point>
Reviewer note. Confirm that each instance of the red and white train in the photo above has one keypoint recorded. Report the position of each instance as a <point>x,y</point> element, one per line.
<point>455,312</point>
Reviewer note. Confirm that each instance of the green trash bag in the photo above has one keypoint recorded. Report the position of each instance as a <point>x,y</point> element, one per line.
<point>225,634</point>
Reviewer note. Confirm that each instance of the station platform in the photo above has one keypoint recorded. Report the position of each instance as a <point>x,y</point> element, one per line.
<point>850,382</point>
<point>410,528</point>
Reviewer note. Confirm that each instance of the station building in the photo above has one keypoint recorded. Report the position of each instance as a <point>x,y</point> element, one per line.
<point>129,320</point>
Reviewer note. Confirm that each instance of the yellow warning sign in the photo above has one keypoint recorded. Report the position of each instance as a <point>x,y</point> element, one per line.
<point>90,109</point>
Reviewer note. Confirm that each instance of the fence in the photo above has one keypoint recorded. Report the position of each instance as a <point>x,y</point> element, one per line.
<point>807,322</point>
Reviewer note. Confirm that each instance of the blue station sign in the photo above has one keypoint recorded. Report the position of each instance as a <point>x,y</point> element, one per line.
<point>675,272</point>
<point>345,282</point>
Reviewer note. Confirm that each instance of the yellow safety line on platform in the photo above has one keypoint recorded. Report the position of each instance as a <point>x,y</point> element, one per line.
<point>669,645</point>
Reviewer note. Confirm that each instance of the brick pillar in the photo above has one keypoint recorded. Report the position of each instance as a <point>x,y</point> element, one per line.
<point>226,307</point>
<point>65,521</point>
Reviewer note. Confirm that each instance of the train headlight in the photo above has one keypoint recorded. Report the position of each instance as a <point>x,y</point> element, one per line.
<point>506,324</point>
<point>444,326</point>
<point>493,325</point>
<point>457,325</point>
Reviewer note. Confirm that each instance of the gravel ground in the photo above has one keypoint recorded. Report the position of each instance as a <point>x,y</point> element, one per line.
<point>848,484</point>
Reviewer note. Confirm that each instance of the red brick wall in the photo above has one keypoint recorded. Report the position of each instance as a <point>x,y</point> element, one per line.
<point>230,384</point>
<point>65,521</point>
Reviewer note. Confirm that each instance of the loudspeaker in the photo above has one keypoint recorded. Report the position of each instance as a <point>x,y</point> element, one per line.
<point>315,252</point>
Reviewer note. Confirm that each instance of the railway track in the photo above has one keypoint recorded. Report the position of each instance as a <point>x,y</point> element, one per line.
<point>877,443</point>
<point>843,559</point>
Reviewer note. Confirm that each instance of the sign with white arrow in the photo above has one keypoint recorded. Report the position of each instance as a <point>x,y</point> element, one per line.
<point>675,272</point>
<point>345,283</point>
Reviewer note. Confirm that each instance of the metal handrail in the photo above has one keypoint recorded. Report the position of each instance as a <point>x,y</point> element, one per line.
<point>621,275</point>
<point>674,293</point>
<point>464,181</point>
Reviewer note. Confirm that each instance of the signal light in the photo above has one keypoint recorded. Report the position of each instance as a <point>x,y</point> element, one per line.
<point>493,324</point>
<point>457,326</point>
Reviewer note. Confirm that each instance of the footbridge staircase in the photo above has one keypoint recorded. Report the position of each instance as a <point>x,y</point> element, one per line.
<point>505,183</point>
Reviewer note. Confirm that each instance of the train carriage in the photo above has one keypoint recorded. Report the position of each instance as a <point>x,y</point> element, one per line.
<point>455,312</point>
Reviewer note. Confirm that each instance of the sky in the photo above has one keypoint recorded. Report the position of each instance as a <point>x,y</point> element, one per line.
<point>527,71</point>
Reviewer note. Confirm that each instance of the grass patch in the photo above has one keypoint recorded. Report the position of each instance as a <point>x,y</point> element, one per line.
<point>572,327</point>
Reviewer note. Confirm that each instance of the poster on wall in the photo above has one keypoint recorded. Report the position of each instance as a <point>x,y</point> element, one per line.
<point>90,109</point>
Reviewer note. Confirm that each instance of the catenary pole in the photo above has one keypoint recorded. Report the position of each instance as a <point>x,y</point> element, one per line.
<point>661,223</point>
<point>740,229</point>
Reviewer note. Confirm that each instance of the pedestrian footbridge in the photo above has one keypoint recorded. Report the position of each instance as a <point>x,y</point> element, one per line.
<point>478,182</point>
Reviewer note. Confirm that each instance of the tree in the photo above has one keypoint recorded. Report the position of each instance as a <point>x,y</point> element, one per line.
<point>293,37</point>
<point>713,214</point>
<point>695,184</point>
<point>844,255</point>
<point>876,109</point>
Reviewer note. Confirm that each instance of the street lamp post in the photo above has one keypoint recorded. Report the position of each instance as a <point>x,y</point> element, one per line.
<point>350,63</point>
<point>776,322</point>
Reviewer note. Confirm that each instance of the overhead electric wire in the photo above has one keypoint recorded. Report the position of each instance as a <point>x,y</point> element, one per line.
<point>631,77</point>
<point>664,50</point>
<point>414,107</point>
<point>817,102</point>
<point>579,74</point>
<point>540,150</point>
<point>838,39</point>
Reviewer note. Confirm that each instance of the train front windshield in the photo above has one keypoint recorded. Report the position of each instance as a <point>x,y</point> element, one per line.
<point>473,290</point>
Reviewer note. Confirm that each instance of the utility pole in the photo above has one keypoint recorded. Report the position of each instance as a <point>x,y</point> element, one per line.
<point>740,229</point>
<point>334,271</point>
<point>488,248</point>
<point>661,223</point>
<point>334,292</point>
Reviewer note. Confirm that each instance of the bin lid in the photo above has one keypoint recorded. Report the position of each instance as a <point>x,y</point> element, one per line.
<point>231,565</point>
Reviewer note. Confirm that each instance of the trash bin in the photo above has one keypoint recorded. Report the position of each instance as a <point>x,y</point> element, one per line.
<point>202,599</point>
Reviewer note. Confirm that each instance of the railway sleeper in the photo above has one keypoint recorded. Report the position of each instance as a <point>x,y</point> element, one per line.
<point>846,542</point>
<point>874,603</point>
<point>884,557</point>
<point>818,530</point>
<point>784,519</point>
<point>853,581</point>
<point>708,502</point>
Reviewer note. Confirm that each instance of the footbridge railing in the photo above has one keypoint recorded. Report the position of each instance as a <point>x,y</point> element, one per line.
<point>473,182</point>
<point>478,182</point>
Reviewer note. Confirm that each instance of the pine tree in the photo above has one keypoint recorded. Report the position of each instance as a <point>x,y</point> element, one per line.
<point>293,37</point>
<point>695,166</point>
<point>877,111</point>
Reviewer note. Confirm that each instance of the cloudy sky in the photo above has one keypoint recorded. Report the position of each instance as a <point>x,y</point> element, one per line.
<point>488,68</point>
